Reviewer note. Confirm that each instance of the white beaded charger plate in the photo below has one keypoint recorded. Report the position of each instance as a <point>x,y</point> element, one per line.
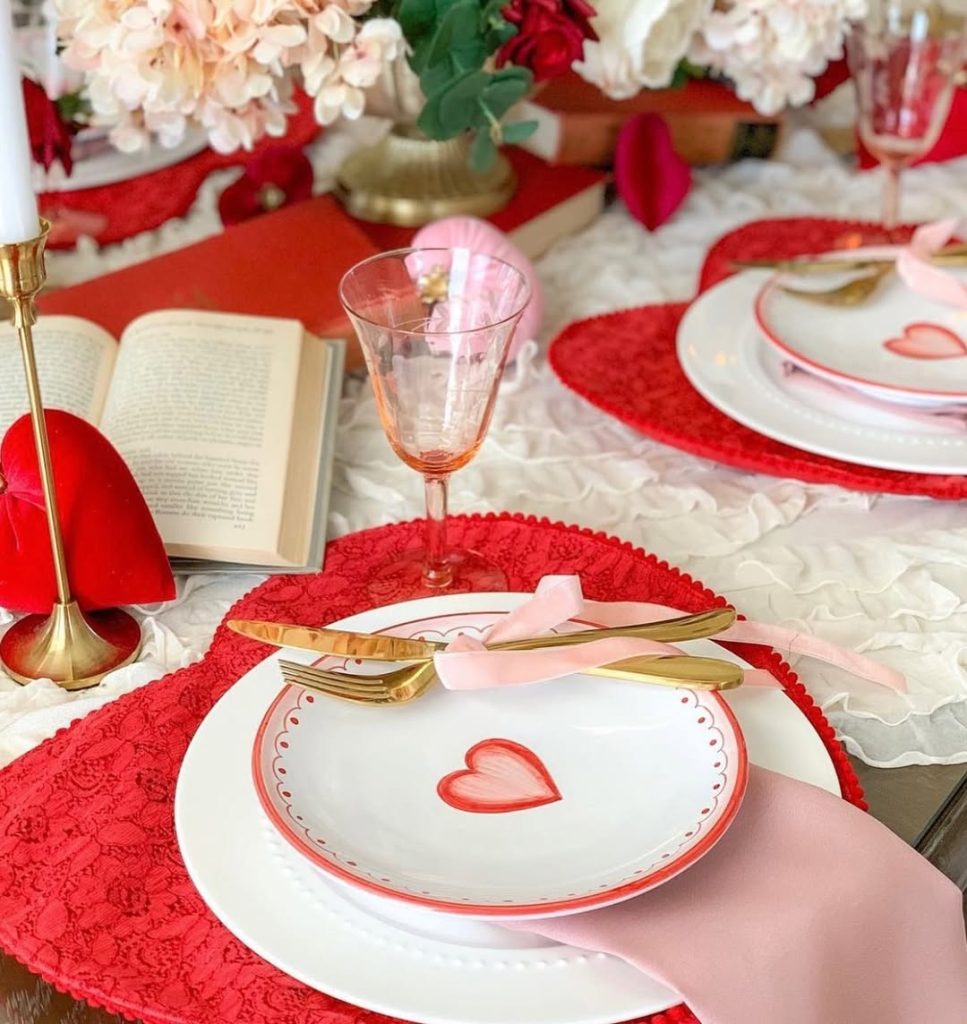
<point>734,369</point>
<point>393,958</point>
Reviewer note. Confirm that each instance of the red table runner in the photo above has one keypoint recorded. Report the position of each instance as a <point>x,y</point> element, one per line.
<point>592,357</point>
<point>94,896</point>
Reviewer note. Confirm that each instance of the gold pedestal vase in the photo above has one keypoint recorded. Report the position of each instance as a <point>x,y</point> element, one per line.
<point>409,180</point>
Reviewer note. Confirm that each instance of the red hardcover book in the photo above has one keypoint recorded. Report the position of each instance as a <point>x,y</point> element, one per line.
<point>578,124</point>
<point>550,203</point>
<point>286,264</point>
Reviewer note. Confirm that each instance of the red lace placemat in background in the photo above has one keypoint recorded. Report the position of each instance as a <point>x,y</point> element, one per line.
<point>146,202</point>
<point>592,357</point>
<point>94,896</point>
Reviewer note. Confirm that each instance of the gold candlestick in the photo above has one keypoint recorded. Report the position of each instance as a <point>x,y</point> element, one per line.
<point>73,648</point>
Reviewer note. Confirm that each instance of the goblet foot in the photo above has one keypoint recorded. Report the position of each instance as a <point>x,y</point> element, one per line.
<point>404,576</point>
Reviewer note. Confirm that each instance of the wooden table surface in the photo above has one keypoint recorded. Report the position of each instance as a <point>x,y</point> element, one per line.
<point>925,806</point>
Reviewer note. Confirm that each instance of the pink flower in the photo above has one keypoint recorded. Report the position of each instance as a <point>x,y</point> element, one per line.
<point>154,66</point>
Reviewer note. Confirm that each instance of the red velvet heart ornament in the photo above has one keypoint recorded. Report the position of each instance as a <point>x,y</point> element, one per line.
<point>651,178</point>
<point>114,552</point>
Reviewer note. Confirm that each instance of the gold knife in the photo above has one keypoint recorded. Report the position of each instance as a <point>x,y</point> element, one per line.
<point>378,647</point>
<point>339,642</point>
<point>951,255</point>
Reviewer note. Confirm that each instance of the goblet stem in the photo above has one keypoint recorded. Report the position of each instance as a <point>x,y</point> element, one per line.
<point>436,572</point>
<point>891,196</point>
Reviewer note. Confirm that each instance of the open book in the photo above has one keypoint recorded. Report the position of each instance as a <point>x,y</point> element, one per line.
<point>227,423</point>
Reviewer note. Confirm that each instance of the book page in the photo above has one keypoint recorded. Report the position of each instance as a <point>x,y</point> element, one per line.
<point>201,408</point>
<point>74,363</point>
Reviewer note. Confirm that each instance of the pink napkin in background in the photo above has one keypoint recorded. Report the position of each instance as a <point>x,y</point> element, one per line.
<point>854,405</point>
<point>807,911</point>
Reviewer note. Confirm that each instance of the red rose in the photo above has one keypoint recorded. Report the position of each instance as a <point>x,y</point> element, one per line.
<point>277,176</point>
<point>550,35</point>
<point>50,136</point>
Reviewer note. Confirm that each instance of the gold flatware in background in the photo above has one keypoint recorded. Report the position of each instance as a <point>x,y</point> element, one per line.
<point>951,255</point>
<point>853,293</point>
<point>378,647</point>
<point>412,681</point>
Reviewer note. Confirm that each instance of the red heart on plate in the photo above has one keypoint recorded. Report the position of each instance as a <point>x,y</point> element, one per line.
<point>114,553</point>
<point>500,776</point>
<point>927,341</point>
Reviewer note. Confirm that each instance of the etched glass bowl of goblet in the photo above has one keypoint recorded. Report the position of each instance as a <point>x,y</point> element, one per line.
<point>435,327</point>
<point>905,58</point>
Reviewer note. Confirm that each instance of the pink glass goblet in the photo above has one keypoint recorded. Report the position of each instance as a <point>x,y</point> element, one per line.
<point>904,58</point>
<point>435,326</point>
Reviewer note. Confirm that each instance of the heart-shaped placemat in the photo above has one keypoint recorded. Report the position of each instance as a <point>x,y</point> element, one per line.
<point>592,357</point>
<point>94,896</point>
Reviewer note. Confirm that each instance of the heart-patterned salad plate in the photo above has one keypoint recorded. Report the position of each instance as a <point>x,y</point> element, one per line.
<point>529,801</point>
<point>727,362</point>
<point>396,957</point>
<point>896,345</point>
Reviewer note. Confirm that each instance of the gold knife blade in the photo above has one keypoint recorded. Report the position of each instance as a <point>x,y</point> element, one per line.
<point>339,642</point>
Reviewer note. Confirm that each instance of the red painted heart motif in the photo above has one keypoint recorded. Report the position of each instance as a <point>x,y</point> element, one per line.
<point>500,776</point>
<point>927,341</point>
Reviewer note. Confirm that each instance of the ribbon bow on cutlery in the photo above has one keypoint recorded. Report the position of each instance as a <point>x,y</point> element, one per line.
<point>468,663</point>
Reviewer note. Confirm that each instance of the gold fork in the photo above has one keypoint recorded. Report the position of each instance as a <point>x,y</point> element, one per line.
<point>852,293</point>
<point>405,684</point>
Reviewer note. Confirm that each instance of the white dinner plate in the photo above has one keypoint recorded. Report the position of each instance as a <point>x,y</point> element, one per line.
<point>896,345</point>
<point>111,166</point>
<point>511,803</point>
<point>392,957</point>
<point>729,364</point>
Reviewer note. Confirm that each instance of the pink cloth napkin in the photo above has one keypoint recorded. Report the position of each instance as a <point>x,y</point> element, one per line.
<point>807,911</point>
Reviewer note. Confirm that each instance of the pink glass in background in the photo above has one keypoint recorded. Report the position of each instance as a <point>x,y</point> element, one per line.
<point>905,58</point>
<point>435,327</point>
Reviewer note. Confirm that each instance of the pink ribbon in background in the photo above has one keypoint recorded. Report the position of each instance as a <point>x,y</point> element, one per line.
<point>467,664</point>
<point>920,275</point>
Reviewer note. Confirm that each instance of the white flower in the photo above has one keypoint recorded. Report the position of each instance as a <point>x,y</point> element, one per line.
<point>772,49</point>
<point>153,66</point>
<point>640,43</point>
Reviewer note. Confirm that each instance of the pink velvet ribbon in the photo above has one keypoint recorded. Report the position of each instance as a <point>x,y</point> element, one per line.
<point>467,663</point>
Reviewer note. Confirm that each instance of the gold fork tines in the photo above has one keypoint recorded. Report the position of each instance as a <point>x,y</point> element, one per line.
<point>405,684</point>
<point>852,293</point>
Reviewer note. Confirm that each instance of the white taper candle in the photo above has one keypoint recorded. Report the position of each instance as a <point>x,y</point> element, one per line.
<point>18,204</point>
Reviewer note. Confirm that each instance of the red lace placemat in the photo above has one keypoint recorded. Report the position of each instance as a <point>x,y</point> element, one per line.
<point>146,202</point>
<point>94,896</point>
<point>592,357</point>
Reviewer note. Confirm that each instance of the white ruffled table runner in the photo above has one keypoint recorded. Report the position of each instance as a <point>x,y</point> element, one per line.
<point>884,574</point>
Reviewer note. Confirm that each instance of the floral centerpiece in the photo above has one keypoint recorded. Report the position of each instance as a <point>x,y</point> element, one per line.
<point>152,67</point>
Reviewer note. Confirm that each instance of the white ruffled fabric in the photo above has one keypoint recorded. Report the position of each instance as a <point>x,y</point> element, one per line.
<point>883,574</point>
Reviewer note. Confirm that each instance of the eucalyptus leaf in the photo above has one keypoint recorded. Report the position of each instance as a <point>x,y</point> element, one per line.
<point>483,152</point>
<point>504,90</point>
<point>517,131</point>
<point>416,17</point>
<point>458,103</point>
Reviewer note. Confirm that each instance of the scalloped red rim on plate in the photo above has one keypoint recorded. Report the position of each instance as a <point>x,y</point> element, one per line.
<point>520,802</point>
